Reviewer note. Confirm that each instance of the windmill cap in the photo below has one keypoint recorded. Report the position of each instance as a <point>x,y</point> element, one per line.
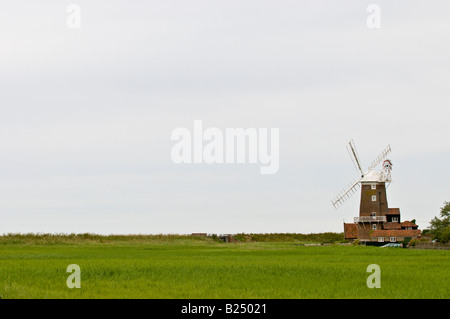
<point>372,176</point>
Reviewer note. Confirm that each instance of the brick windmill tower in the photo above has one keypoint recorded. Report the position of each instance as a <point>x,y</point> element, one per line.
<point>377,222</point>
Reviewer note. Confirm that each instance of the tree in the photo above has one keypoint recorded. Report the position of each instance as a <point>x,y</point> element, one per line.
<point>440,227</point>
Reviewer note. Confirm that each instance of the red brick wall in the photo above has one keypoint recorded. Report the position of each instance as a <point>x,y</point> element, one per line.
<point>379,206</point>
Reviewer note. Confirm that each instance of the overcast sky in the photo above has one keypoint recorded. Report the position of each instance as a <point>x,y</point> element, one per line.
<point>87,113</point>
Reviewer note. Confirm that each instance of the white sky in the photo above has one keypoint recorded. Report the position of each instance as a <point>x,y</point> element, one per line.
<point>87,114</point>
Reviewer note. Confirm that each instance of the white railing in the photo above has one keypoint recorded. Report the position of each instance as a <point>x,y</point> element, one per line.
<point>362,219</point>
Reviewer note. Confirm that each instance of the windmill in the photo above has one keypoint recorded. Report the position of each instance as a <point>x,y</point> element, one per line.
<point>376,222</point>
<point>371,176</point>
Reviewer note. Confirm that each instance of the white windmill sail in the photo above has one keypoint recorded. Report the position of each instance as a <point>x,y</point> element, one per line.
<point>380,157</point>
<point>346,193</point>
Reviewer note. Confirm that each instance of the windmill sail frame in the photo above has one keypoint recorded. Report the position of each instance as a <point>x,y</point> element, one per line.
<point>355,185</point>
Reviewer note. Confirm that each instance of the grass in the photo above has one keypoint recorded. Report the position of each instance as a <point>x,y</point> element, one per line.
<point>160,266</point>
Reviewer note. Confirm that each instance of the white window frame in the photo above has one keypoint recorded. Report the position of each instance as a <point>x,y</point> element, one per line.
<point>374,227</point>
<point>395,219</point>
<point>374,198</point>
<point>393,239</point>
<point>373,186</point>
<point>381,239</point>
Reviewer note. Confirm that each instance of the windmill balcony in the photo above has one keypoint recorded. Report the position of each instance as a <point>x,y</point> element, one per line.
<point>362,219</point>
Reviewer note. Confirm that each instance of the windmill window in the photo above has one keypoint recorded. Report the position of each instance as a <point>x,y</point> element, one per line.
<point>373,186</point>
<point>395,219</point>
<point>374,198</point>
<point>374,226</point>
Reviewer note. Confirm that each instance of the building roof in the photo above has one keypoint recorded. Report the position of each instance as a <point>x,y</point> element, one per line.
<point>396,233</point>
<point>407,223</point>
<point>350,231</point>
<point>392,225</point>
<point>393,211</point>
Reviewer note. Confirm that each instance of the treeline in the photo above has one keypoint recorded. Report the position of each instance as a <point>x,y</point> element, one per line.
<point>61,238</point>
<point>291,237</point>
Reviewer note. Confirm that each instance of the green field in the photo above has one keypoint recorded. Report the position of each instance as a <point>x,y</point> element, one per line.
<point>189,267</point>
